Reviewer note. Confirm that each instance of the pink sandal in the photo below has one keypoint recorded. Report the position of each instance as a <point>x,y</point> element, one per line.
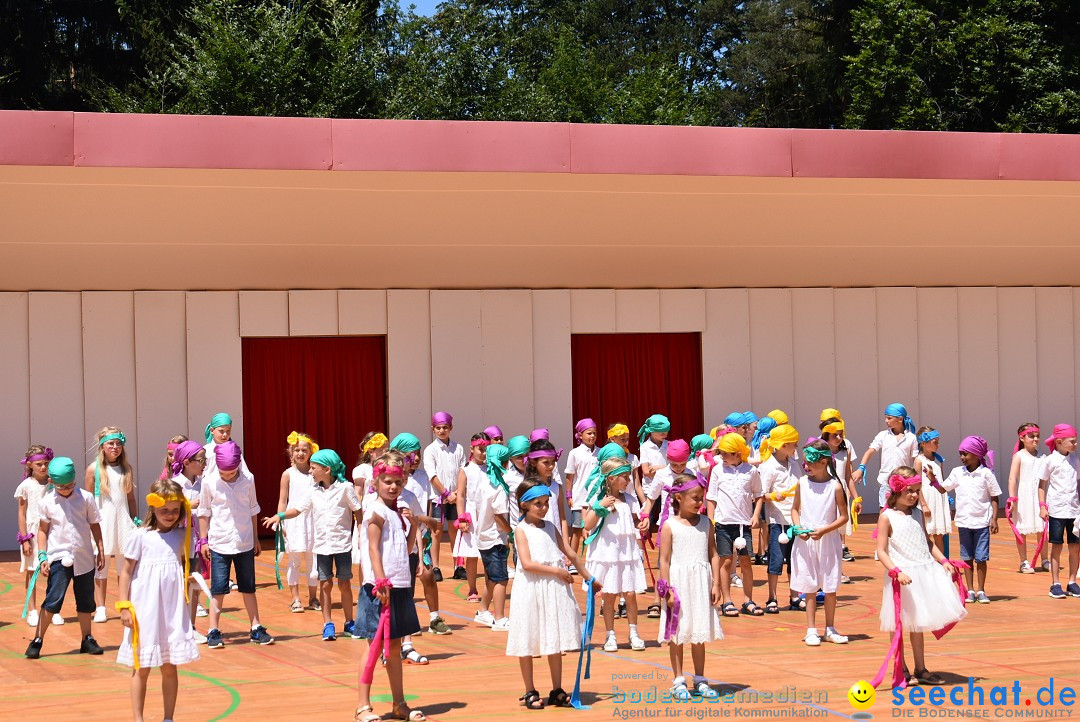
<point>472,598</point>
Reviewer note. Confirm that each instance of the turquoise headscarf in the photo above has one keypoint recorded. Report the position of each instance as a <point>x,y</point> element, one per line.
<point>655,424</point>
<point>701,442</point>
<point>330,459</point>
<point>595,483</point>
<point>62,470</point>
<point>518,445</point>
<point>764,426</point>
<point>405,442</point>
<point>218,419</point>
<point>600,509</point>
<point>496,456</point>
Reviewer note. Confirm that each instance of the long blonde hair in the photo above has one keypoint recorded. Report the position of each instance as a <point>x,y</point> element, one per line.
<point>100,464</point>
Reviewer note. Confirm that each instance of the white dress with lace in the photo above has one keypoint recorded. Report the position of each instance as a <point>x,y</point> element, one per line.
<point>690,574</point>
<point>544,616</point>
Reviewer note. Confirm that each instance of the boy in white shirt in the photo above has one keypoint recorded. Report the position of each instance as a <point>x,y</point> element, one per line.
<point>68,521</point>
<point>735,500</point>
<point>443,459</point>
<point>493,533</point>
<point>1059,502</point>
<point>228,525</point>
<point>579,464</point>
<point>977,493</point>
<point>896,444</point>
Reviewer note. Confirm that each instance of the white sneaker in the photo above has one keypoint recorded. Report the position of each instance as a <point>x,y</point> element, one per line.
<point>232,586</point>
<point>637,643</point>
<point>1025,567</point>
<point>611,645</point>
<point>200,611</point>
<point>501,625</point>
<point>484,617</point>
<point>812,639</point>
<point>831,635</point>
<point>736,581</point>
<point>572,569</point>
<point>57,620</point>
<point>199,638</point>
<point>99,616</point>
<point>32,618</point>
<point>981,597</point>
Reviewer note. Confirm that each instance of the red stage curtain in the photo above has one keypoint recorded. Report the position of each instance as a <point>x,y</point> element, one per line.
<point>627,377</point>
<point>332,388</point>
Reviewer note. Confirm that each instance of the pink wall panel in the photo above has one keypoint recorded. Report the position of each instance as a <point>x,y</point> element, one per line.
<point>894,154</point>
<point>1040,157</point>
<point>181,141</point>
<point>412,145</point>
<point>36,137</point>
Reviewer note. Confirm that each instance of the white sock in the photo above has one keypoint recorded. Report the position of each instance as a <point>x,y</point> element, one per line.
<point>434,616</point>
<point>611,634</point>
<point>633,630</point>
<point>830,629</point>
<point>254,626</point>
<point>811,630</point>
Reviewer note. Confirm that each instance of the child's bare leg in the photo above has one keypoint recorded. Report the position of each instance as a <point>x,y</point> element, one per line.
<point>215,610</point>
<point>393,671</point>
<point>470,573</point>
<point>917,649</point>
<point>969,577</point>
<point>575,538</point>
<point>747,576</point>
<point>431,589</point>
<point>345,588</point>
<point>251,604</point>
<point>609,612</point>
<point>830,608</point>
<point>101,586</point>
<point>1021,548</point>
<point>363,690</point>
<point>436,546</point>
<point>631,608</point>
<point>44,619</point>
<point>169,685</point>
<point>811,610</point>
<point>1074,561</point>
<point>1055,564</point>
<point>773,583</point>
<point>980,568</point>
<point>33,594</point>
<point>555,667</point>
<point>697,653</point>
<point>526,665</point>
<point>498,596</point>
<point>725,579</point>
<point>675,652</point>
<point>326,588</point>
<point>138,692</point>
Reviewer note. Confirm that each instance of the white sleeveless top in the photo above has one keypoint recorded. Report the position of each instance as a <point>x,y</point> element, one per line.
<point>395,554</point>
<point>300,531</point>
<point>817,501</point>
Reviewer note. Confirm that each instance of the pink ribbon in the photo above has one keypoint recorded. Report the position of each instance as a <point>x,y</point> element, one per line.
<point>961,588</point>
<point>382,636</point>
<point>671,627</point>
<point>1042,537</point>
<point>1008,518</point>
<point>199,544</point>
<point>464,518</point>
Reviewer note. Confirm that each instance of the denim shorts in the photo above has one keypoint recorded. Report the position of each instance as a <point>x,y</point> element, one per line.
<point>974,544</point>
<point>59,579</point>
<point>444,512</point>
<point>495,563</point>
<point>1061,531</point>
<point>779,554</point>
<point>327,562</point>
<point>577,519</point>
<point>244,565</point>
<point>725,539</point>
<point>403,619</point>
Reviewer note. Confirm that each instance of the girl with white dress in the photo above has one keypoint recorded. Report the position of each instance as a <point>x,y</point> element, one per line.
<point>1024,493</point>
<point>820,507</point>
<point>296,484</point>
<point>470,477</point>
<point>690,572</point>
<point>110,479</point>
<point>544,616</point>
<point>929,601</point>
<point>158,630</point>
<point>29,493</point>
<point>189,460</point>
<point>614,558</point>
<point>937,517</point>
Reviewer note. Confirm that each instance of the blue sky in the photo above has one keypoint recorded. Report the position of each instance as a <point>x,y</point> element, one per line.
<point>423,7</point>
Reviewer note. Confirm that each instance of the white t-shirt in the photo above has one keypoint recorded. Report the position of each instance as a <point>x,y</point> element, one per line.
<point>777,477</point>
<point>580,462</point>
<point>69,519</point>
<point>332,510</point>
<point>444,461</point>
<point>192,491</point>
<point>420,485</point>
<point>1061,492</point>
<point>653,455</point>
<point>395,555</point>
<point>491,502</point>
<point>361,472</point>
<point>33,492</point>
<point>654,487</point>
<point>734,489</point>
<point>895,450</point>
<point>974,489</point>
<point>513,479</point>
<point>230,506</point>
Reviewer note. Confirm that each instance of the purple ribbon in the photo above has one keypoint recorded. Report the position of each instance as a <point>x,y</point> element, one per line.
<point>46,455</point>
<point>671,626</point>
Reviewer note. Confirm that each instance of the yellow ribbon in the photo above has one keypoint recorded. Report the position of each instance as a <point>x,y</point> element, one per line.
<point>618,430</point>
<point>778,495</point>
<point>295,438</point>
<point>836,427</point>
<point>854,516</point>
<point>120,606</point>
<point>831,414</point>
<point>375,442</point>
<point>157,500</point>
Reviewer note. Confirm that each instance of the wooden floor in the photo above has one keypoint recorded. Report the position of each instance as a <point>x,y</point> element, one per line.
<point>1021,636</point>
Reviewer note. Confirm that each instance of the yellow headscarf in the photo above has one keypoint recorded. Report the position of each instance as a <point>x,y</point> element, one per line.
<point>831,414</point>
<point>782,434</point>
<point>778,416</point>
<point>836,427</point>
<point>734,444</point>
<point>618,430</point>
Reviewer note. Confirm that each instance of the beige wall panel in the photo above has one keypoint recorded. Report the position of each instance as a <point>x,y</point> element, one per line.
<point>455,359</point>
<point>504,378</point>
<point>593,310</point>
<point>160,377</point>
<point>637,311</point>
<point>1055,356</point>
<point>1018,379</point>
<point>682,310</point>
<point>362,313</point>
<point>313,313</point>
<point>939,364</point>
<point>15,400</point>
<point>725,354</point>
<point>408,362</point>
<point>264,313</point>
<point>214,363</point>
<point>552,388</point>
<point>1076,340</point>
<point>108,320</point>
<point>814,349</point>
<point>772,374</point>
<point>56,375</point>
<point>898,358</point>
<point>855,332</point>
<point>979,410</point>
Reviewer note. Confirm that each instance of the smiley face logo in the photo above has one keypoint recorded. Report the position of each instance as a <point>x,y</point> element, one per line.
<point>861,695</point>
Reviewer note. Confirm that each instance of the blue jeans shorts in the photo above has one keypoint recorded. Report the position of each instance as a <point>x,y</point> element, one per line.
<point>495,563</point>
<point>975,544</point>
<point>327,562</point>
<point>244,565</point>
<point>779,554</point>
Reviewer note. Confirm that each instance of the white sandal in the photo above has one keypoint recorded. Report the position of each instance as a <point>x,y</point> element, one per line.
<point>679,692</point>
<point>359,715</point>
<point>703,690</point>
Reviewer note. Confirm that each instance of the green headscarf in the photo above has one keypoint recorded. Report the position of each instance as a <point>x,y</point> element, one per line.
<point>701,442</point>
<point>518,445</point>
<point>601,510</point>
<point>657,423</point>
<point>406,443</point>
<point>62,470</point>
<point>330,459</point>
<point>595,483</point>
<point>497,455</point>
<point>218,419</point>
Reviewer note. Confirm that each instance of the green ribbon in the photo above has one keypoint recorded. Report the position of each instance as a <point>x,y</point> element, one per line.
<point>426,551</point>
<point>798,531</point>
<point>812,455</point>
<point>42,556</point>
<point>595,483</point>
<point>496,457</point>
<point>601,510</point>
<point>279,546</point>
<point>97,481</point>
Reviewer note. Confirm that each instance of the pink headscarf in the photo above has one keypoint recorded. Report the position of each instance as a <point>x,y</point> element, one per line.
<point>1061,431</point>
<point>977,445</point>
<point>678,451</point>
<point>538,434</point>
<point>581,426</point>
<point>494,431</point>
<point>441,417</point>
<point>186,450</point>
<point>1024,432</point>
<point>227,455</point>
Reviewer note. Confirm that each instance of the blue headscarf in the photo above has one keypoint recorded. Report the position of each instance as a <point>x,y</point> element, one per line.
<point>899,411</point>
<point>733,419</point>
<point>764,426</point>
<point>746,418</point>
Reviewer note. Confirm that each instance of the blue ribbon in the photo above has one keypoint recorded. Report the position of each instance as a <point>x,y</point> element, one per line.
<point>585,654</point>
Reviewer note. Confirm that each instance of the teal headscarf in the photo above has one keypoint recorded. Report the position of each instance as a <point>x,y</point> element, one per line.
<point>518,445</point>
<point>657,423</point>
<point>218,419</point>
<point>497,454</point>
<point>701,442</point>
<point>330,459</point>
<point>601,510</point>
<point>62,470</point>
<point>595,483</point>
<point>405,442</point>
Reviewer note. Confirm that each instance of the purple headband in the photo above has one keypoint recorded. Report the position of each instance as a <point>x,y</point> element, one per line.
<point>581,427</point>
<point>46,455</point>
<point>698,480</point>
<point>185,450</point>
<point>538,434</point>
<point>441,417</point>
<point>545,453</point>
<point>493,431</point>
<point>977,445</point>
<point>227,455</point>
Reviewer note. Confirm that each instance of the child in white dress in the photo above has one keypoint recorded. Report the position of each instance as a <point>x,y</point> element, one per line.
<point>153,608</point>
<point>928,598</point>
<point>689,584</point>
<point>1022,506</point>
<point>614,558</point>
<point>111,481</point>
<point>296,483</point>
<point>29,494</point>
<point>470,478</point>
<point>544,617</point>
<point>937,517</point>
<point>819,506</point>
<point>189,460</point>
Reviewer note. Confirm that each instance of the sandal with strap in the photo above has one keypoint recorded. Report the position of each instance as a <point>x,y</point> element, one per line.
<point>559,698</point>
<point>729,609</point>
<point>532,700</point>
<point>679,692</point>
<point>771,607</point>
<point>410,655</point>
<point>749,607</point>
<point>472,598</point>
<point>402,712</point>
<point>927,677</point>
<point>366,714</point>
<point>654,611</point>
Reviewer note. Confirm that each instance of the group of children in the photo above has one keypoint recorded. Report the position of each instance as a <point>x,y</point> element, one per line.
<point>505,499</point>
